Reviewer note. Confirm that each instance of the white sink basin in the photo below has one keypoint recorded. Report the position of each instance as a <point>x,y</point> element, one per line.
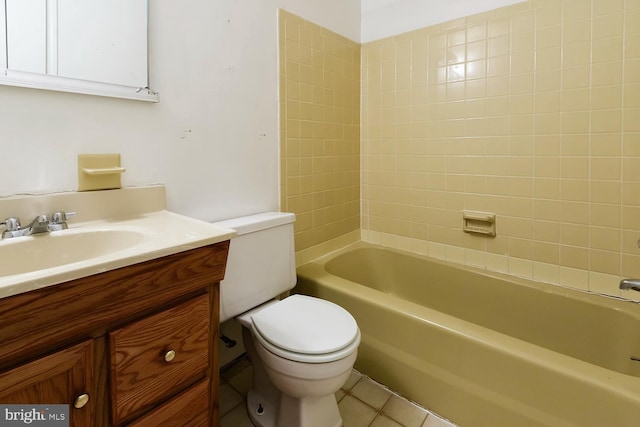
<point>41,251</point>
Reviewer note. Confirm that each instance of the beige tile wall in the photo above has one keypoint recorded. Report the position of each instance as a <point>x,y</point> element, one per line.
<point>531,111</point>
<point>320,130</point>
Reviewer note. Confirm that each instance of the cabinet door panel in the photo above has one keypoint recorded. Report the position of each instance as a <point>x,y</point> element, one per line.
<point>52,390</point>
<point>54,379</point>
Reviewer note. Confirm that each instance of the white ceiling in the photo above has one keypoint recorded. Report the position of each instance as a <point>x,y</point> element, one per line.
<point>384,18</point>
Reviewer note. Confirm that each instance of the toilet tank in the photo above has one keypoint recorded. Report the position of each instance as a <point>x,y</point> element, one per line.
<point>261,262</point>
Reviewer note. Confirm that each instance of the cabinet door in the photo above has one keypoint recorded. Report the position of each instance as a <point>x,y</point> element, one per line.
<point>59,378</point>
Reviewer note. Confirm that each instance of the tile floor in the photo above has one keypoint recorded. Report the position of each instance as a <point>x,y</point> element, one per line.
<point>362,402</point>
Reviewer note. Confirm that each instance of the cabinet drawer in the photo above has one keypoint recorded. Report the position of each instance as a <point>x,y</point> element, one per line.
<point>143,373</point>
<point>190,408</point>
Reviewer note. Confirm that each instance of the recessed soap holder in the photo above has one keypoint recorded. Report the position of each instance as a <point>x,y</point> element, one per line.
<point>479,223</point>
<point>99,172</point>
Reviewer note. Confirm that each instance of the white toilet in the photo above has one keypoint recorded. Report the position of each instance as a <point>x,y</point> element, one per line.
<point>302,348</point>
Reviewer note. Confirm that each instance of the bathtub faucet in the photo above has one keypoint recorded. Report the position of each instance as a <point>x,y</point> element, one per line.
<point>633,284</point>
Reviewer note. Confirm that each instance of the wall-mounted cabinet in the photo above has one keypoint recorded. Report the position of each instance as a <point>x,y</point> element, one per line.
<point>87,46</point>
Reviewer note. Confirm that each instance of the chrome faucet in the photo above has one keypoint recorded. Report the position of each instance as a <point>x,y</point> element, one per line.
<point>59,220</point>
<point>633,284</point>
<point>40,224</point>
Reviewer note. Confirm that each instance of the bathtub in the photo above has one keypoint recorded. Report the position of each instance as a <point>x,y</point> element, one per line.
<point>485,349</point>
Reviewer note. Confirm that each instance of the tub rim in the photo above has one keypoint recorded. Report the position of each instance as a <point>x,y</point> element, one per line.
<point>553,288</point>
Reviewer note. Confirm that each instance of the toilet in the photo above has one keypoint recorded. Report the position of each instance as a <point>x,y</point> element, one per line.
<point>302,348</point>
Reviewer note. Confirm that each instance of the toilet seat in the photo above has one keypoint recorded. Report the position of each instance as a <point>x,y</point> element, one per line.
<point>306,329</point>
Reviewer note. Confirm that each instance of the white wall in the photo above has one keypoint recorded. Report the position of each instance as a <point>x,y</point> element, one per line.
<point>384,18</point>
<point>212,139</point>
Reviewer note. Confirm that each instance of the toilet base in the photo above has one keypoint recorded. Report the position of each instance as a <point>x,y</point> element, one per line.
<point>279,409</point>
<point>308,412</point>
<point>293,412</point>
<point>261,411</point>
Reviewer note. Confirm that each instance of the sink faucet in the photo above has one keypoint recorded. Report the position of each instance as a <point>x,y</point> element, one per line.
<point>40,224</point>
<point>633,284</point>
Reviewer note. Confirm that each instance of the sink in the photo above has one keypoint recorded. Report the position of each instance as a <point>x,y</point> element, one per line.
<point>113,229</point>
<point>41,251</point>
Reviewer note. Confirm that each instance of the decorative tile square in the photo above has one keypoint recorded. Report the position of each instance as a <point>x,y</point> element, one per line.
<point>229,398</point>
<point>371,393</point>
<point>404,412</point>
<point>355,413</point>
<point>242,380</point>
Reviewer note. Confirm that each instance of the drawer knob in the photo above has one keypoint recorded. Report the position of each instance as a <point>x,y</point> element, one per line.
<point>169,356</point>
<point>81,401</point>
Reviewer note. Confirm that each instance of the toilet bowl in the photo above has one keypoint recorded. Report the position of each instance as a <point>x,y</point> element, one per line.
<point>303,350</point>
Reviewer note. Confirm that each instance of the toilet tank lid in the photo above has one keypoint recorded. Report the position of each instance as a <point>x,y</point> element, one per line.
<point>257,222</point>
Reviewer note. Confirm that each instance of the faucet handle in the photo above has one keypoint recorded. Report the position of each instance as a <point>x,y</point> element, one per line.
<point>11,224</point>
<point>11,227</point>
<point>60,217</point>
<point>59,220</point>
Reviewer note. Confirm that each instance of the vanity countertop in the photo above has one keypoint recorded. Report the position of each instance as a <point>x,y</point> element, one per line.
<point>113,230</point>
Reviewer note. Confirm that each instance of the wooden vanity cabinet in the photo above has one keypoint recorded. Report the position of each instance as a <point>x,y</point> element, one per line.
<point>140,341</point>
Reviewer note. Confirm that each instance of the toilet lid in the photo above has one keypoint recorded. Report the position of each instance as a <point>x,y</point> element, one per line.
<point>306,325</point>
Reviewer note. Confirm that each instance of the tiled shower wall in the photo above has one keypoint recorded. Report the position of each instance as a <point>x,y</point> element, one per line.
<point>532,112</point>
<point>320,130</point>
